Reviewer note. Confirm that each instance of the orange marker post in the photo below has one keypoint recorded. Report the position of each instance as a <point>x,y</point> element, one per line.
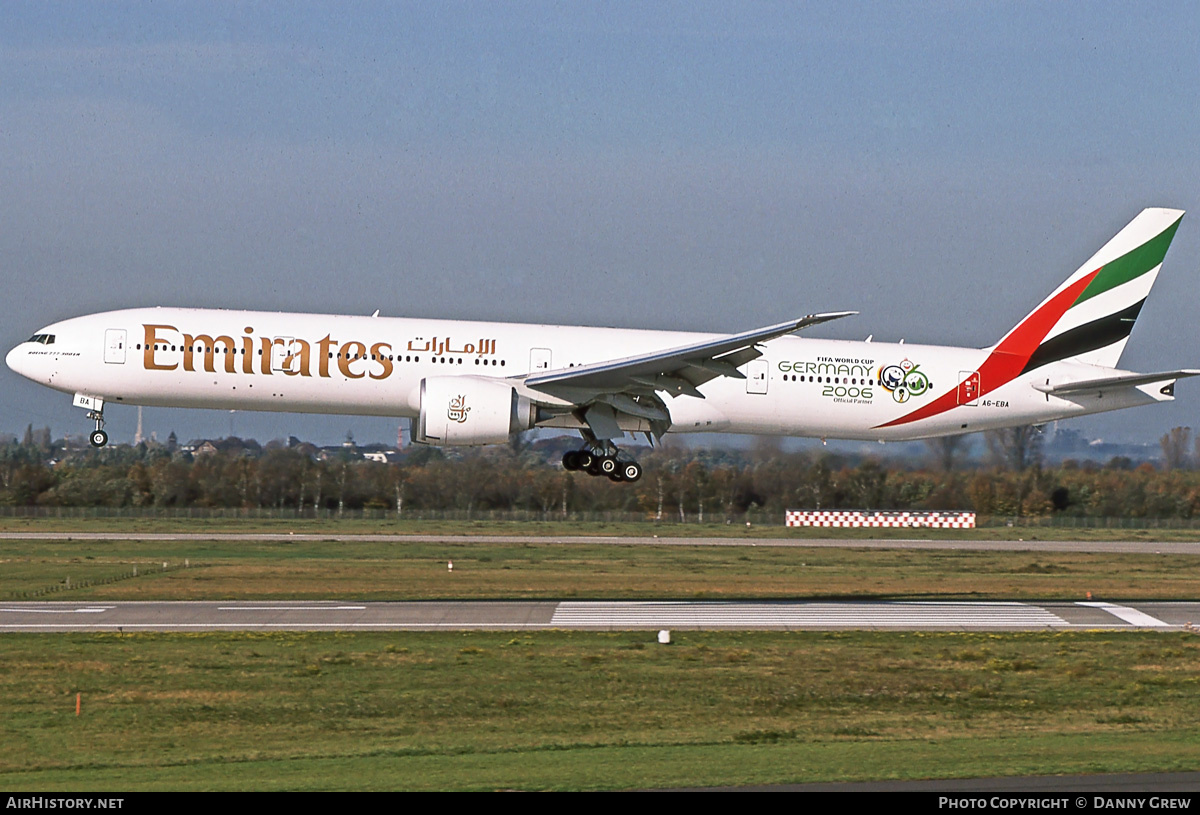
<point>78,700</point>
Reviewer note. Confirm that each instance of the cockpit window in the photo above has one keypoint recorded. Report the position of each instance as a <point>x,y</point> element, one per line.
<point>42,339</point>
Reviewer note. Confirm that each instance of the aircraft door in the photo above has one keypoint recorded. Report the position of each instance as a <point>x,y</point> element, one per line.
<point>757,372</point>
<point>114,346</point>
<point>282,354</point>
<point>539,359</point>
<point>968,388</point>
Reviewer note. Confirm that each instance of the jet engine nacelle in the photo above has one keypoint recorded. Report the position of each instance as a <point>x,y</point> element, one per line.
<point>470,410</point>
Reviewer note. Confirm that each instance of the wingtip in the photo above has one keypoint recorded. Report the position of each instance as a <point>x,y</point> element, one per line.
<point>825,316</point>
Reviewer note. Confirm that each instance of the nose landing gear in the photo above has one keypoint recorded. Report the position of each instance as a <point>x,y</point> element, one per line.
<point>98,437</point>
<point>95,412</point>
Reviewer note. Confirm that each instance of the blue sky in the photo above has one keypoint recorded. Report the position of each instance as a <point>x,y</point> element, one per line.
<point>711,166</point>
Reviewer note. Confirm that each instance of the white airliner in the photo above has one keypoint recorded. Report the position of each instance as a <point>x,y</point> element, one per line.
<point>476,383</point>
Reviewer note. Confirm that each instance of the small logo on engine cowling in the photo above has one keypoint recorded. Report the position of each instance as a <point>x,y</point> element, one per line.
<point>458,409</point>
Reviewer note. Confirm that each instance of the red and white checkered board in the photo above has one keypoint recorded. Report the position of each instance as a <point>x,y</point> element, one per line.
<point>851,518</point>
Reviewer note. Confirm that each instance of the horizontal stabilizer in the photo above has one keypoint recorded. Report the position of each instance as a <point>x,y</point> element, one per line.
<point>1129,380</point>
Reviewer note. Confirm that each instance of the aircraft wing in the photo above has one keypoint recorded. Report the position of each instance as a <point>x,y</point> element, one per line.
<point>1128,380</point>
<point>602,390</point>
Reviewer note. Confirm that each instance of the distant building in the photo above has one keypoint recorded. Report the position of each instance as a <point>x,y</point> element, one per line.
<point>204,448</point>
<point>232,444</point>
<point>382,456</point>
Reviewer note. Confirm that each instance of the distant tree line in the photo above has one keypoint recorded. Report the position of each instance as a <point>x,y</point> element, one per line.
<point>679,483</point>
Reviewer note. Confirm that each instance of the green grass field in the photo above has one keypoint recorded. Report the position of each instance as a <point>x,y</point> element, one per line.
<point>563,710</point>
<point>385,570</point>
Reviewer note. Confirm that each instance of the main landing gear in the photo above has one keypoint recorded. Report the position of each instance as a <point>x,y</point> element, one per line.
<point>603,462</point>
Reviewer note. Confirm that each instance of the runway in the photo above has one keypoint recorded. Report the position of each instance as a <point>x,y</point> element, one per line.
<point>604,615</point>
<point>594,616</point>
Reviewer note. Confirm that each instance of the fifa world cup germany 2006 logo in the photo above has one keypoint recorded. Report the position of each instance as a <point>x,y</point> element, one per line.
<point>458,409</point>
<point>903,381</point>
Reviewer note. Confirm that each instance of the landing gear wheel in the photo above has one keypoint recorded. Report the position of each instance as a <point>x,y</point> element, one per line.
<point>97,437</point>
<point>601,457</point>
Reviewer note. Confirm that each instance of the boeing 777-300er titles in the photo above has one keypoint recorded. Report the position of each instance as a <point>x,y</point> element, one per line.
<point>475,383</point>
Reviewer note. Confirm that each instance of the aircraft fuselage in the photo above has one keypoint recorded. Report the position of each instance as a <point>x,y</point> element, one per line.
<point>321,363</point>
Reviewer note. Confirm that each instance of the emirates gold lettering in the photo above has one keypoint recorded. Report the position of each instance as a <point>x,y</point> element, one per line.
<point>151,345</point>
<point>248,351</point>
<point>289,356</point>
<point>351,352</point>
<point>379,352</point>
<point>207,345</point>
<point>325,348</point>
<point>297,360</point>
<point>265,346</point>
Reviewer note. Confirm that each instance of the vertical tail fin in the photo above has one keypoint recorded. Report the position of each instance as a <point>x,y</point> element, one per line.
<point>1088,318</point>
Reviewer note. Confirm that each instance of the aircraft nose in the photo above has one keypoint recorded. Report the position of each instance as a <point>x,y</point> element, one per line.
<point>17,360</point>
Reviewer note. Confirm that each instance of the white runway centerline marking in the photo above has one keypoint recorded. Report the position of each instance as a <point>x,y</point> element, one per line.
<point>89,610</point>
<point>291,608</point>
<point>1129,615</point>
<point>871,615</point>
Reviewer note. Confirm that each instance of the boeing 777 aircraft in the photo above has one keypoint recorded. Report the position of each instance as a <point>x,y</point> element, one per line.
<point>476,383</point>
